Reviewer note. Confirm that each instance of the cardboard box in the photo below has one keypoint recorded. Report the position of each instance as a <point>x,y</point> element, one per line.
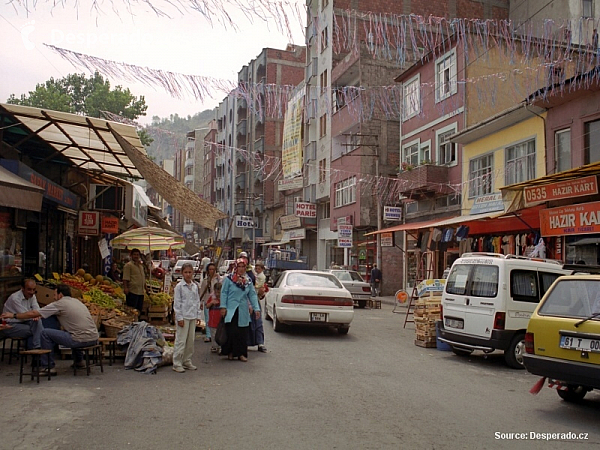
<point>44,295</point>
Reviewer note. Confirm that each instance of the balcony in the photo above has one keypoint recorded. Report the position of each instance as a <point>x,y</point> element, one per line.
<point>259,204</point>
<point>259,145</point>
<point>241,128</point>
<point>240,181</point>
<point>425,180</point>
<point>240,209</point>
<point>347,115</point>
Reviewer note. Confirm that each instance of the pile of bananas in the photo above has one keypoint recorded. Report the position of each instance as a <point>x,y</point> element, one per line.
<point>100,298</point>
<point>160,299</point>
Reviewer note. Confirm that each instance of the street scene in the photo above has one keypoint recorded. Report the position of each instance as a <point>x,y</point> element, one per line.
<point>300,224</point>
<point>314,389</point>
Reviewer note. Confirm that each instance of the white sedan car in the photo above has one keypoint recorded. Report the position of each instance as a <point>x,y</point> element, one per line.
<point>307,297</point>
<point>359,288</point>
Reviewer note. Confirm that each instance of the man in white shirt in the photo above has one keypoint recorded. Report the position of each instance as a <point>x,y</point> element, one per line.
<point>20,302</point>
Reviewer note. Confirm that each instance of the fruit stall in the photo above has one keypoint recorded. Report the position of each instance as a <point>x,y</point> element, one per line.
<point>105,300</point>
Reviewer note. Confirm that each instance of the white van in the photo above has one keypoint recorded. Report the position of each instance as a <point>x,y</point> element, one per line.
<point>488,300</point>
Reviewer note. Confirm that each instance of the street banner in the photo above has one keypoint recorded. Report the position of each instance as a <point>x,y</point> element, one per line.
<point>291,151</point>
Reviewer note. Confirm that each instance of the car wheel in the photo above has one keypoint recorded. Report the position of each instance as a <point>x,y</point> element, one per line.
<point>461,351</point>
<point>513,355</point>
<point>343,330</point>
<point>362,303</point>
<point>573,393</point>
<point>277,325</point>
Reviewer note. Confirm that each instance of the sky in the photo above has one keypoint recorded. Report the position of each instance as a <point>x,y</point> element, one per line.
<point>186,43</point>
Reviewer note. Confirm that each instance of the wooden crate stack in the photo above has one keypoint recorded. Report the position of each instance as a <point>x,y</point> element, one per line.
<point>426,313</point>
<point>158,315</point>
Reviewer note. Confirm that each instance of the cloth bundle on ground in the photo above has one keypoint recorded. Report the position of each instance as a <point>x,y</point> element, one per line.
<point>145,347</point>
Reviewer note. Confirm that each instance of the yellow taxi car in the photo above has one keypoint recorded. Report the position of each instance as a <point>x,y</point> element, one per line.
<point>562,342</point>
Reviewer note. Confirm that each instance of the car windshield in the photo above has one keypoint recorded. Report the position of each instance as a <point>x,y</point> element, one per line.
<point>313,280</point>
<point>573,298</point>
<point>347,275</point>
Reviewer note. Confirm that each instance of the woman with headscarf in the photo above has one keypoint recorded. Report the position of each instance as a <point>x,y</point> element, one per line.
<point>237,292</point>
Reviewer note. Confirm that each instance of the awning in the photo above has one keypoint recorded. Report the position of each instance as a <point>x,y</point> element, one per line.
<point>88,143</point>
<point>406,226</point>
<point>15,192</point>
<point>467,218</point>
<point>267,244</point>
<point>179,196</point>
<point>512,195</point>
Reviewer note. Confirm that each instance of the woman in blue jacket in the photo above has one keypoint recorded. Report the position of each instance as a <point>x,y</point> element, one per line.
<point>237,296</point>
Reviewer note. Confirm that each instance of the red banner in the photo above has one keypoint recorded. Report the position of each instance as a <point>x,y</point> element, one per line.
<point>110,225</point>
<point>561,190</point>
<point>568,220</point>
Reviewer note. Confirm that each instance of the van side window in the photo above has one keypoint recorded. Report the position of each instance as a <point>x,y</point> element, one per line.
<point>546,280</point>
<point>457,279</point>
<point>485,281</point>
<point>524,286</point>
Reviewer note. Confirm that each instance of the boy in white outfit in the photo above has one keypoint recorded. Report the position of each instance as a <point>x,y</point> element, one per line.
<point>186,305</point>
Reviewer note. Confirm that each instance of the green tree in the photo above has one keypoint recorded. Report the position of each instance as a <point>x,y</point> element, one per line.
<point>90,96</point>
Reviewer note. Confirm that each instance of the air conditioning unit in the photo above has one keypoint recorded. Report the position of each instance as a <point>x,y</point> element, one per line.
<point>105,197</point>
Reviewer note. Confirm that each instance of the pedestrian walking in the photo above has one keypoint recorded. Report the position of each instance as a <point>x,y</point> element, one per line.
<point>206,289</point>
<point>214,314</point>
<point>376,278</point>
<point>236,293</point>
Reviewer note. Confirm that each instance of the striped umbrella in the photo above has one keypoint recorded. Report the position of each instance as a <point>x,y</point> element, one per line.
<point>148,239</point>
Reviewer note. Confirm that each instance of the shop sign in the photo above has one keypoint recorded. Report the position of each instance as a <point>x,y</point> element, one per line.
<point>289,184</point>
<point>89,223</point>
<point>392,213</point>
<point>289,222</point>
<point>387,239</point>
<point>245,222</point>
<point>345,242</point>
<point>488,203</point>
<point>362,254</point>
<point>308,210</point>
<point>136,207</point>
<point>344,220</point>
<point>561,190</point>
<point>110,225</point>
<point>260,240</point>
<point>571,220</point>
<point>52,191</point>
<point>344,231</point>
<point>292,235</point>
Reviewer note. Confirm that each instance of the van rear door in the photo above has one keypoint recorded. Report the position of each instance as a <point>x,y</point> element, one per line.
<point>471,299</point>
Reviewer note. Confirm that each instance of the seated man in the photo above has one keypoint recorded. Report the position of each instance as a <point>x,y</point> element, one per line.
<point>20,302</point>
<point>74,317</point>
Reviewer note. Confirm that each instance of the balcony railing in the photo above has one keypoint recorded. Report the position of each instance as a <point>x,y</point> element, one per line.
<point>426,179</point>
<point>240,181</point>
<point>259,145</point>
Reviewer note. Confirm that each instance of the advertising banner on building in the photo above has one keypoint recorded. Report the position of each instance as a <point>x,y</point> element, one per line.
<point>344,236</point>
<point>560,190</point>
<point>289,184</point>
<point>89,223</point>
<point>290,222</point>
<point>306,210</point>
<point>571,220</point>
<point>392,213</point>
<point>291,151</point>
<point>110,225</point>
<point>387,239</point>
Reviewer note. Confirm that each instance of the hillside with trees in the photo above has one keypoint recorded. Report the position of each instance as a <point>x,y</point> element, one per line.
<point>169,134</point>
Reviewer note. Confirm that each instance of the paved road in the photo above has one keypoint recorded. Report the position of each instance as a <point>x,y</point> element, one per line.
<point>314,389</point>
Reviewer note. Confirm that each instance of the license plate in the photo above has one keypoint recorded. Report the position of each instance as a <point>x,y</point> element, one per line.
<point>581,344</point>
<point>455,323</point>
<point>318,317</point>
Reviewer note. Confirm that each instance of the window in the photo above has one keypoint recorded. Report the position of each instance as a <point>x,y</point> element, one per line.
<point>410,154</point>
<point>324,39</point>
<point>480,175</point>
<point>425,154</point>
<point>445,76</point>
<point>345,192</point>
<point>323,210</point>
<point>446,149</point>
<point>562,150</point>
<point>322,170</point>
<point>520,162</point>
<point>323,125</point>
<point>586,8</point>
<point>523,286</point>
<point>324,81</point>
<point>592,141</point>
<point>411,98</point>
<point>485,281</point>
<point>352,143</point>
